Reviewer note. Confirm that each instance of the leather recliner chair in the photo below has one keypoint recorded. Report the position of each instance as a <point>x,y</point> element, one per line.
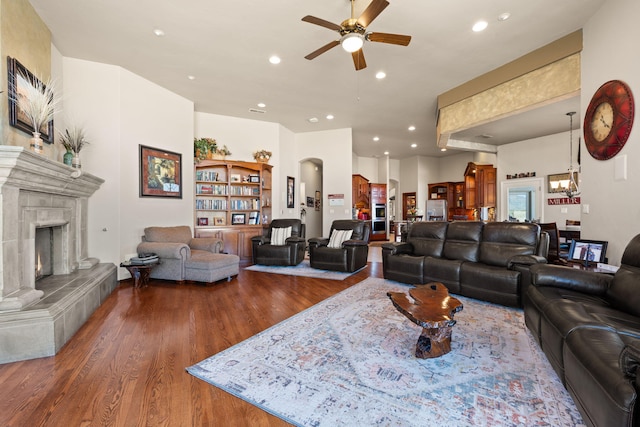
<point>291,253</point>
<point>351,256</point>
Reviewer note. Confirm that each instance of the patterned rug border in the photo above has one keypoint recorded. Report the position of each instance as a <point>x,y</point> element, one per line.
<point>303,270</point>
<point>255,375</point>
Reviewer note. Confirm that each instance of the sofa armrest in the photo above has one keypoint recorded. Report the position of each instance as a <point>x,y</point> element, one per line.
<point>318,241</point>
<point>210,244</point>
<point>354,243</point>
<point>397,248</point>
<point>260,240</point>
<point>165,250</point>
<point>294,240</point>
<point>630,359</point>
<point>574,279</point>
<point>525,260</point>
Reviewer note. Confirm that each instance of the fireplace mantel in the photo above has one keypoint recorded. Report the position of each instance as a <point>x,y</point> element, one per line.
<point>34,192</point>
<point>25,170</point>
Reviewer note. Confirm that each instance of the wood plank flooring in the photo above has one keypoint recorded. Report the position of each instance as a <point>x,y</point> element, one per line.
<point>126,365</point>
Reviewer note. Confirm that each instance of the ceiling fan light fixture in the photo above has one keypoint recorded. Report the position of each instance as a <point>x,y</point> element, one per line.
<point>352,42</point>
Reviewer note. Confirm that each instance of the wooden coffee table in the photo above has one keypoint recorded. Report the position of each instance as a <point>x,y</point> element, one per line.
<point>433,309</point>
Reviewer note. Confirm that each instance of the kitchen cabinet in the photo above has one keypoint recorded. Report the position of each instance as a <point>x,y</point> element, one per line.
<point>361,197</point>
<point>378,194</point>
<point>480,186</point>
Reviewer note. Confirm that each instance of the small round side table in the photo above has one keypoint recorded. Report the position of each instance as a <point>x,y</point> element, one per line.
<point>139,272</point>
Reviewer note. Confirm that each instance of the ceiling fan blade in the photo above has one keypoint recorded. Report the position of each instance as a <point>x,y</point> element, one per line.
<point>322,50</point>
<point>389,38</point>
<point>358,59</point>
<point>372,11</point>
<point>326,24</point>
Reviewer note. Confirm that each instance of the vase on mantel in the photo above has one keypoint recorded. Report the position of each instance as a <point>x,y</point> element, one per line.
<point>67,158</point>
<point>36,143</point>
<point>75,161</point>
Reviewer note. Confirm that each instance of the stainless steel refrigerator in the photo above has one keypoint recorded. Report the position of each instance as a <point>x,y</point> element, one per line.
<point>436,210</point>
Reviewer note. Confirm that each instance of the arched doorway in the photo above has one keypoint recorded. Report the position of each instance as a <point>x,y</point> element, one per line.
<point>311,196</point>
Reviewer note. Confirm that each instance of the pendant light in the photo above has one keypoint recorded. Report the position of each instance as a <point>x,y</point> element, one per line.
<point>572,188</point>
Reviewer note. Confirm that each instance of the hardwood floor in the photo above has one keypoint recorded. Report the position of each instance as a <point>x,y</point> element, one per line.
<point>126,365</point>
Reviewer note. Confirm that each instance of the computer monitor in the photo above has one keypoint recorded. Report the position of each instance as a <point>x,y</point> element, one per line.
<point>593,251</point>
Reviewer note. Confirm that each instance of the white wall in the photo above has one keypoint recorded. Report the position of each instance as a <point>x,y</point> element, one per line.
<point>452,167</point>
<point>547,155</point>
<point>119,111</point>
<point>610,38</point>
<point>333,147</point>
<point>367,167</point>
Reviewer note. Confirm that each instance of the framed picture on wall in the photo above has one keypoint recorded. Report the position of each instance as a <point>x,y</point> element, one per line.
<point>160,173</point>
<point>317,200</point>
<point>19,76</point>
<point>291,187</point>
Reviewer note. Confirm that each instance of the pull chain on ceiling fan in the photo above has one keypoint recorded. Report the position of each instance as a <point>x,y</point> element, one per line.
<point>353,33</point>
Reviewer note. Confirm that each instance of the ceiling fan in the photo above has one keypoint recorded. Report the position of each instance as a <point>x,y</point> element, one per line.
<point>353,33</point>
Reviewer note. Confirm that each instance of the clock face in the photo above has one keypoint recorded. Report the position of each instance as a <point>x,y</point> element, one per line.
<point>608,120</point>
<point>602,121</point>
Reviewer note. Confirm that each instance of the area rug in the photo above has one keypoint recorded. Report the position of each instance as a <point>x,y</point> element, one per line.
<point>302,269</point>
<point>349,361</point>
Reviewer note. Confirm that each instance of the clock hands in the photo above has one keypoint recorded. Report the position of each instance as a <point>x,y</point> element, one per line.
<point>603,121</point>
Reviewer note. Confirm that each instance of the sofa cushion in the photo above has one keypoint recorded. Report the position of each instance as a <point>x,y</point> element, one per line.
<point>427,238</point>
<point>445,271</point>
<point>279,236</point>
<point>338,237</point>
<point>178,234</point>
<point>405,268</point>
<point>503,240</point>
<point>463,240</point>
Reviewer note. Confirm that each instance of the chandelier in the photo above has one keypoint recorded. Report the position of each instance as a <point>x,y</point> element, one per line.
<point>572,189</point>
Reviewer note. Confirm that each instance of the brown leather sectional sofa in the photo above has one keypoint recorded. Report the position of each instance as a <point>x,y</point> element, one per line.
<point>588,325</point>
<point>487,261</point>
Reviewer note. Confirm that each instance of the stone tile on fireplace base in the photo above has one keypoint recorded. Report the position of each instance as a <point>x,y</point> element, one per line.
<point>42,329</point>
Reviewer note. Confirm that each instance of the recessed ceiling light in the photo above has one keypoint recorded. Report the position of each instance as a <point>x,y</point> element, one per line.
<point>443,149</point>
<point>412,128</point>
<point>381,75</point>
<point>191,77</point>
<point>386,153</point>
<point>329,116</point>
<point>504,16</point>
<point>261,104</point>
<point>274,59</point>
<point>480,26</point>
<point>313,120</point>
<point>158,32</point>
<point>375,138</point>
<point>414,145</point>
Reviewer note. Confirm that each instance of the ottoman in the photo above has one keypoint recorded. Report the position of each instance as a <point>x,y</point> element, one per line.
<point>209,267</point>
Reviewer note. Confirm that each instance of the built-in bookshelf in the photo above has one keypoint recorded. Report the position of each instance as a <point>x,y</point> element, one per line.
<point>232,193</point>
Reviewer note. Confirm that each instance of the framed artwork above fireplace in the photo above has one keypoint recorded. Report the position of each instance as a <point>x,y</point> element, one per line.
<point>18,76</point>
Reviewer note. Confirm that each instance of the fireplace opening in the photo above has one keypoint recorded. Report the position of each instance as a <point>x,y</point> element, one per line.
<point>44,252</point>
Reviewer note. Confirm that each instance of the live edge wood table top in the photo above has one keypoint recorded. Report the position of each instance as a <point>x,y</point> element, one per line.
<point>433,310</point>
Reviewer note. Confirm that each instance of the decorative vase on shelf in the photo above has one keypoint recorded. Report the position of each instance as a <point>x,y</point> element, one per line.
<point>75,161</point>
<point>36,143</point>
<point>67,158</point>
<point>262,160</point>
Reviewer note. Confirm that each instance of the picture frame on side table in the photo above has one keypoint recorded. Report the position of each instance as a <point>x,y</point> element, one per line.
<point>160,173</point>
<point>291,185</point>
<point>18,75</point>
<point>238,218</point>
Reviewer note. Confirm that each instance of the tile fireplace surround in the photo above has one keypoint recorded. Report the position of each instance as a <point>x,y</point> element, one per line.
<point>38,317</point>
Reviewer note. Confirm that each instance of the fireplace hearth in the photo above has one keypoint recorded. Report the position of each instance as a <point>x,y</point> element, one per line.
<point>44,235</point>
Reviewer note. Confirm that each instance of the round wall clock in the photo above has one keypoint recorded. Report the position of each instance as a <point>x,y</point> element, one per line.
<point>608,120</point>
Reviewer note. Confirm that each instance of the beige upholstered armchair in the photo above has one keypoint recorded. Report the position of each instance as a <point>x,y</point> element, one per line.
<point>183,257</point>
